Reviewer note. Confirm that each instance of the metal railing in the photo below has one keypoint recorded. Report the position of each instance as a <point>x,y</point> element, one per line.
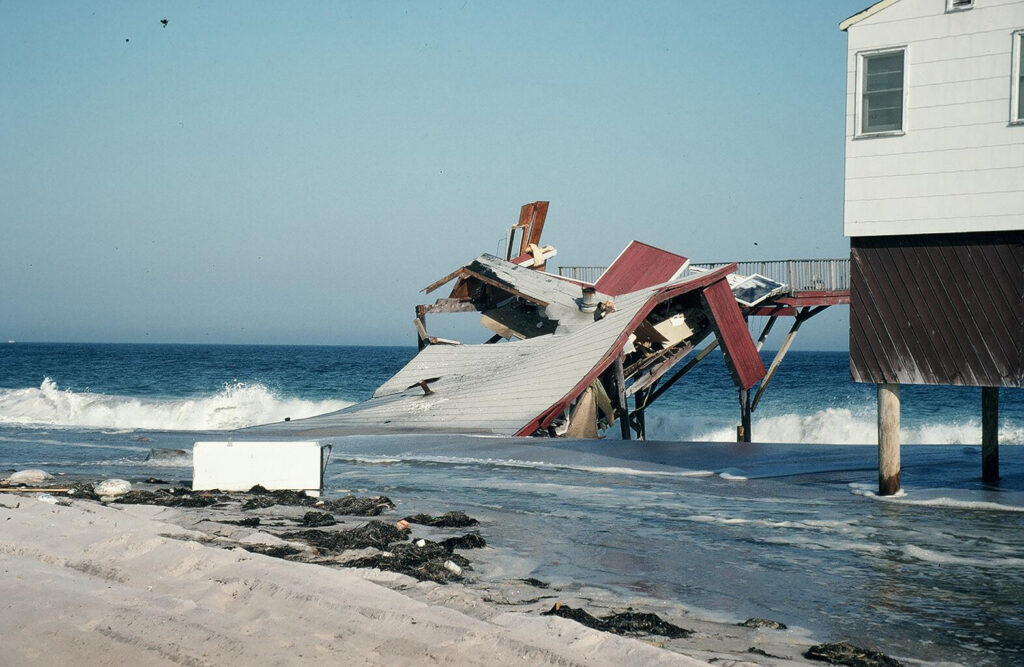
<point>588,274</point>
<point>801,275</point>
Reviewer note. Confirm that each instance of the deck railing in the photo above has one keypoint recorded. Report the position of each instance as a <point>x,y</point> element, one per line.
<point>800,274</point>
<point>588,274</point>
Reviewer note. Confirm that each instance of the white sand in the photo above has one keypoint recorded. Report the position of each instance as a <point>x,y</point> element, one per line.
<point>95,585</point>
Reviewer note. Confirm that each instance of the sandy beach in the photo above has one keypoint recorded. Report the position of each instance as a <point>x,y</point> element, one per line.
<point>114,584</point>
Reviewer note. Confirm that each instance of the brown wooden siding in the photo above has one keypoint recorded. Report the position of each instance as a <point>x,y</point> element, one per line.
<point>938,309</point>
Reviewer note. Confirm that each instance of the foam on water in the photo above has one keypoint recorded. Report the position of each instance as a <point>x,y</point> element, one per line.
<point>926,498</point>
<point>942,558</point>
<point>835,426</point>
<point>237,405</point>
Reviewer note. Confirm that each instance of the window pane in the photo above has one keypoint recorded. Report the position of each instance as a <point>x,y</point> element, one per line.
<point>882,102</point>
<point>1020,81</point>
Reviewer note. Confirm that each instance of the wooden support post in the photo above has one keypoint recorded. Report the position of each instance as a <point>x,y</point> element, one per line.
<point>764,332</point>
<point>623,406</point>
<point>638,412</point>
<point>656,393</point>
<point>743,432</point>
<point>805,314</point>
<point>990,434</point>
<point>888,439</point>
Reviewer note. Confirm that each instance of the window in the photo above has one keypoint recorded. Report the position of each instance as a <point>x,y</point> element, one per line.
<point>1017,83</point>
<point>956,5</point>
<point>881,92</point>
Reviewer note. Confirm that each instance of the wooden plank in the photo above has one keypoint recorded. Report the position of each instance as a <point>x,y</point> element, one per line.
<point>447,306</point>
<point>437,283</point>
<point>800,299</point>
<point>731,330</point>
<point>540,213</point>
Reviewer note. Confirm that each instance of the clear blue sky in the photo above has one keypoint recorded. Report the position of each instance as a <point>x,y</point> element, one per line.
<point>296,172</point>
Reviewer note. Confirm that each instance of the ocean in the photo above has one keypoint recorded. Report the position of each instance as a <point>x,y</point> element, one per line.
<point>787,528</point>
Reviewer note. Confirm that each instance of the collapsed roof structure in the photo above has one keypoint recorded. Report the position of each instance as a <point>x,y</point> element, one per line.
<point>566,355</point>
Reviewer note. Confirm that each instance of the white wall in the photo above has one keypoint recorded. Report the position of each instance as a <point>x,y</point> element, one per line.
<point>959,165</point>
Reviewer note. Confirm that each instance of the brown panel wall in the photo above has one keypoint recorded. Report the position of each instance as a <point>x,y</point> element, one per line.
<point>938,309</point>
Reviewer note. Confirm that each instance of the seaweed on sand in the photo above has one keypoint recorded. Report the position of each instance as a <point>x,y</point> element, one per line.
<point>313,519</point>
<point>447,520</point>
<point>348,505</point>
<point>177,497</point>
<point>274,550</point>
<point>467,541</point>
<point>375,534</point>
<point>426,563</point>
<point>844,653</point>
<point>357,506</point>
<point>629,623</point>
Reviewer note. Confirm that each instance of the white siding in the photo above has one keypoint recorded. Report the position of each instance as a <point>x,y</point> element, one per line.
<point>959,164</point>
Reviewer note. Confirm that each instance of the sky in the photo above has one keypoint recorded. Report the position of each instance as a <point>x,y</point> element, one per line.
<point>294,173</point>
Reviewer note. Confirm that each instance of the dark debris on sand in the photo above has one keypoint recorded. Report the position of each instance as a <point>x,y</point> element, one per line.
<point>467,541</point>
<point>315,519</point>
<point>275,550</point>
<point>349,505</point>
<point>844,653</point>
<point>251,522</point>
<point>373,534</point>
<point>426,563</point>
<point>628,623</point>
<point>536,583</point>
<point>447,520</point>
<point>356,506</point>
<point>762,623</point>
<point>175,497</point>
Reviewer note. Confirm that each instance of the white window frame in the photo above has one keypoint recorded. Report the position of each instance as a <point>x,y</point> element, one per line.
<point>951,7</point>
<point>858,119</point>
<point>1016,113</point>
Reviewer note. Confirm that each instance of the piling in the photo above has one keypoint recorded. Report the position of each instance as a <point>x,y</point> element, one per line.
<point>744,434</point>
<point>990,434</point>
<point>622,404</point>
<point>888,439</point>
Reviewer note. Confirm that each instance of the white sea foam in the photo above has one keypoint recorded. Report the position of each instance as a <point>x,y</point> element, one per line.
<point>237,405</point>
<point>946,502</point>
<point>838,426</point>
<point>920,553</point>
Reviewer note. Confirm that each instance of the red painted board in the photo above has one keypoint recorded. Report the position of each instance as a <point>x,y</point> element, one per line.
<point>731,329</point>
<point>638,266</point>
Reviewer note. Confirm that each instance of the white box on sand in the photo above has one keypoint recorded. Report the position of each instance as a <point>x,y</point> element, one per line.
<point>238,466</point>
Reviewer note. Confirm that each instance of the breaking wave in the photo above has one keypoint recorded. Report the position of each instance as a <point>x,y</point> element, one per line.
<point>833,426</point>
<point>237,405</point>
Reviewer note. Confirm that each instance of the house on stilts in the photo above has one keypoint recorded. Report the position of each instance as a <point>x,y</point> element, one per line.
<point>934,205</point>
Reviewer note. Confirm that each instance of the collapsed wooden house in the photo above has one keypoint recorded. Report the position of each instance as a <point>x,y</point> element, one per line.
<point>566,355</point>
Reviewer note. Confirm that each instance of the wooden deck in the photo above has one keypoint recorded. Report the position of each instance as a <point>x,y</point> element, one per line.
<point>812,282</point>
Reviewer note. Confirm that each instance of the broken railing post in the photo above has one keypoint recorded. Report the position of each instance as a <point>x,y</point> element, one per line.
<point>623,406</point>
<point>421,328</point>
<point>888,439</point>
<point>990,434</point>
